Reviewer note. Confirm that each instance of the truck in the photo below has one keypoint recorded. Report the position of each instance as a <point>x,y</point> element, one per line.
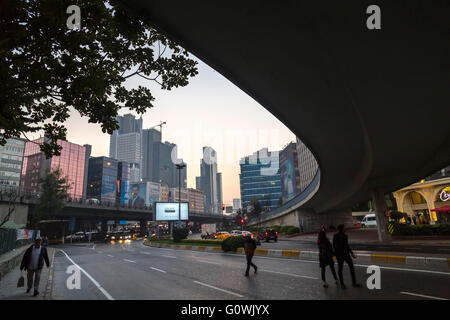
<point>208,230</point>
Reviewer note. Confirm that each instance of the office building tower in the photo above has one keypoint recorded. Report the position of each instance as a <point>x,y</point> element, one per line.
<point>11,159</point>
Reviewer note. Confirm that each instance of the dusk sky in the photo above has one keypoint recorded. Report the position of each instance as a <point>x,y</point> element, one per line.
<point>210,111</point>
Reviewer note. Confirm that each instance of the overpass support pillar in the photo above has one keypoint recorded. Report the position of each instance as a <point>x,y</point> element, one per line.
<point>379,203</point>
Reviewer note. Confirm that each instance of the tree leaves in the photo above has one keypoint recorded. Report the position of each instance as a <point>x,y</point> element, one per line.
<point>47,69</point>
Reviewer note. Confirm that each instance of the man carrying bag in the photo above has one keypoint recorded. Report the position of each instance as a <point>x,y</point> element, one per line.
<point>33,262</point>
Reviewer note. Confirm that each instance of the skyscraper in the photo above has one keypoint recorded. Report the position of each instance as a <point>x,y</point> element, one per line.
<point>260,179</point>
<point>208,180</point>
<point>219,191</point>
<point>164,168</point>
<point>71,162</point>
<point>126,144</point>
<point>150,139</point>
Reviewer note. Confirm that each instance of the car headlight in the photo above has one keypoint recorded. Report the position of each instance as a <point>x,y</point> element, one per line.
<point>113,237</point>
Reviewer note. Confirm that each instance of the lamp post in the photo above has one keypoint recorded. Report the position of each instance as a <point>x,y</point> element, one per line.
<point>180,167</point>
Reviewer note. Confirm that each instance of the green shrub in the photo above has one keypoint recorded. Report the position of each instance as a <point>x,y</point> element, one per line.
<point>180,234</point>
<point>232,243</point>
<point>444,229</point>
<point>292,230</point>
<point>420,230</point>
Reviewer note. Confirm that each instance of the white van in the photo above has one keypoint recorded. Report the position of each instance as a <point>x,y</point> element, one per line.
<point>369,220</point>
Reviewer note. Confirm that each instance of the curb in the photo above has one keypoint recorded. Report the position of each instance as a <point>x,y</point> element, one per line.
<point>314,255</point>
<point>49,288</point>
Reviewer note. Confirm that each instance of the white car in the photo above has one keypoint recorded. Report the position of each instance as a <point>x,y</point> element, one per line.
<point>236,233</point>
<point>369,220</point>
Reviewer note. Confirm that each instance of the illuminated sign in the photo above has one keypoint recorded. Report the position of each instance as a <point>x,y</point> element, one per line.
<point>445,194</point>
<point>168,211</point>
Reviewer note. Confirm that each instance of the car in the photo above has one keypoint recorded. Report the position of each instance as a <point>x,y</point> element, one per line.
<point>253,236</point>
<point>118,236</point>
<point>369,220</point>
<point>222,235</point>
<point>93,201</point>
<point>236,233</point>
<point>357,223</point>
<point>77,236</point>
<point>268,234</point>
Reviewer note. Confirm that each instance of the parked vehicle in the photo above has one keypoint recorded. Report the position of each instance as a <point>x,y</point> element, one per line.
<point>369,220</point>
<point>357,223</point>
<point>77,236</point>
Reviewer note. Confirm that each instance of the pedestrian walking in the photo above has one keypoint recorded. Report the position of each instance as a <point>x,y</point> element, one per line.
<point>344,254</point>
<point>33,262</point>
<point>326,256</point>
<point>249,249</point>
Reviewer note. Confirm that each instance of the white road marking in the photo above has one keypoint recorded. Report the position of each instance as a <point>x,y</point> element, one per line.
<point>211,262</point>
<point>143,252</point>
<point>219,289</point>
<point>129,260</point>
<point>306,261</point>
<point>158,270</point>
<point>109,255</point>
<point>107,295</point>
<point>163,255</point>
<point>422,295</point>
<point>100,251</point>
<point>288,274</point>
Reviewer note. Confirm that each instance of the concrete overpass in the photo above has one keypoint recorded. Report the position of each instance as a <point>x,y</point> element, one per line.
<point>370,104</point>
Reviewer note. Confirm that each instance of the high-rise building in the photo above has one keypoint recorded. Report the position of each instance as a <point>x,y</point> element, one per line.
<point>126,144</point>
<point>103,174</point>
<point>150,138</point>
<point>289,172</point>
<point>307,165</point>
<point>219,191</point>
<point>71,162</point>
<point>11,158</point>
<point>208,180</point>
<point>165,169</point>
<point>260,179</point>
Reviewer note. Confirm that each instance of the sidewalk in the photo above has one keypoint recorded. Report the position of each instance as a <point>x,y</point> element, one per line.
<point>8,283</point>
<point>370,236</point>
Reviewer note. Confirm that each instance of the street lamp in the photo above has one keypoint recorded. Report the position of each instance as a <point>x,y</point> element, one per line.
<point>180,167</point>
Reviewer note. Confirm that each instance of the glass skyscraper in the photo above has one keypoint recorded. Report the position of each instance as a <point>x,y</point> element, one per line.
<point>71,162</point>
<point>260,179</point>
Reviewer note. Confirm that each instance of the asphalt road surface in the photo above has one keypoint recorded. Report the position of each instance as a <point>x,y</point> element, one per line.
<point>135,271</point>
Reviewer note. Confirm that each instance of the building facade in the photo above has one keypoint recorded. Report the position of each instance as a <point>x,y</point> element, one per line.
<point>196,200</point>
<point>71,162</point>
<point>150,137</point>
<point>125,144</point>
<point>426,201</point>
<point>260,179</point>
<point>236,204</point>
<point>11,159</point>
<point>307,165</point>
<point>207,182</point>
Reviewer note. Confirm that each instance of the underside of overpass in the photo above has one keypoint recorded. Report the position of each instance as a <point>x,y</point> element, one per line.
<point>370,104</point>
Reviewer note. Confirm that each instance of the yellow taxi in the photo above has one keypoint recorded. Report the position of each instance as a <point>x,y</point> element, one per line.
<point>222,235</point>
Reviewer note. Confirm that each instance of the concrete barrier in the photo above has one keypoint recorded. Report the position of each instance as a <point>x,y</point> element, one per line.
<point>314,255</point>
<point>11,259</point>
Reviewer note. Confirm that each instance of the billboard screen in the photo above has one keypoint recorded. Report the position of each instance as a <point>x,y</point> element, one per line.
<point>168,211</point>
<point>134,196</point>
<point>287,173</point>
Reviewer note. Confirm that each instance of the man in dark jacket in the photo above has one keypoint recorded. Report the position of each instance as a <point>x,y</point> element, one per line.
<point>343,252</point>
<point>249,249</point>
<point>33,262</point>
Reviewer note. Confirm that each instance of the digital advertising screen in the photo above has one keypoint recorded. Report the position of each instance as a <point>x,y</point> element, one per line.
<point>168,211</point>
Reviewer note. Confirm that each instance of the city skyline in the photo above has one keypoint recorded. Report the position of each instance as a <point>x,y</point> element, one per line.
<point>240,127</point>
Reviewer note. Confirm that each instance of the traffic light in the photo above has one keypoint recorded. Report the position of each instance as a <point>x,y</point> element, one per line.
<point>242,221</point>
<point>223,207</point>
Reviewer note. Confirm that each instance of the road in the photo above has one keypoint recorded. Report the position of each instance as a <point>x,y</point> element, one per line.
<point>135,271</point>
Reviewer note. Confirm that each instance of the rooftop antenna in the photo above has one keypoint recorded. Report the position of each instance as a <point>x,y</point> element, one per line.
<point>160,125</point>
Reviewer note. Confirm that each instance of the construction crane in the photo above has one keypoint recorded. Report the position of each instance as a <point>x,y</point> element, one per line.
<point>161,123</point>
